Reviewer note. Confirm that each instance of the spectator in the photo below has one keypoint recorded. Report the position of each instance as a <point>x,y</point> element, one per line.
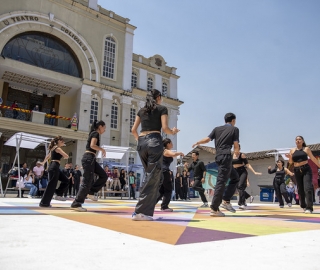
<point>290,190</point>
<point>67,172</point>
<point>38,171</point>
<point>109,174</point>
<point>116,181</point>
<point>132,183</point>
<point>14,106</point>
<point>77,175</point>
<point>122,178</point>
<point>178,186</point>
<point>52,120</point>
<point>23,173</point>
<point>36,108</point>
<point>185,186</point>
<point>29,182</point>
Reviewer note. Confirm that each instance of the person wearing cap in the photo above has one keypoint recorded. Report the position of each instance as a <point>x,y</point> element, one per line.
<point>38,171</point>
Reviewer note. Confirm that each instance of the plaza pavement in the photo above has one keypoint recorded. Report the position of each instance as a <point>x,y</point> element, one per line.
<point>105,237</point>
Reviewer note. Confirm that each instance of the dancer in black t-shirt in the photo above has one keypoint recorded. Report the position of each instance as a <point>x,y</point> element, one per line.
<point>153,117</point>
<point>91,167</point>
<point>225,137</point>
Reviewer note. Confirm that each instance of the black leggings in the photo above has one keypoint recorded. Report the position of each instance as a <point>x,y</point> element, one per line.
<point>165,190</point>
<point>242,185</point>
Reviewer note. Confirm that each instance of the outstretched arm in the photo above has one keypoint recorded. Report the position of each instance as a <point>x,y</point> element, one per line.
<point>202,141</point>
<point>169,153</point>
<point>311,156</point>
<point>251,169</point>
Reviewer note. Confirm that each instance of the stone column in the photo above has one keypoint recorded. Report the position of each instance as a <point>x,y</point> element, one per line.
<point>125,121</point>
<point>83,107</point>
<point>106,103</point>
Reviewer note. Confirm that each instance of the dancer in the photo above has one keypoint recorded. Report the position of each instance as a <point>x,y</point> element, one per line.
<point>279,182</point>
<point>91,167</point>
<point>303,173</point>
<point>225,137</point>
<point>166,186</point>
<point>153,117</point>
<point>240,164</point>
<point>199,176</point>
<point>56,153</point>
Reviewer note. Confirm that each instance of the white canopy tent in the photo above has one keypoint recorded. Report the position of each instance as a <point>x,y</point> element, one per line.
<point>280,152</point>
<point>25,140</point>
<point>117,152</point>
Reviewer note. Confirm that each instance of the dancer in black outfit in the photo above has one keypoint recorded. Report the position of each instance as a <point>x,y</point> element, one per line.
<point>166,186</point>
<point>185,186</point>
<point>91,167</point>
<point>240,164</point>
<point>225,137</point>
<point>199,176</point>
<point>303,173</point>
<point>279,182</point>
<point>153,117</point>
<point>56,153</point>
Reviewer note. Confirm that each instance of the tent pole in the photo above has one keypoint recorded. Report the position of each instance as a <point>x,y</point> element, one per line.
<point>18,155</point>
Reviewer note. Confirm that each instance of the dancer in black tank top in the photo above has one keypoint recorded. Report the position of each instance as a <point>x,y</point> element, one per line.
<point>279,183</point>
<point>303,173</point>
<point>55,153</point>
<point>166,186</point>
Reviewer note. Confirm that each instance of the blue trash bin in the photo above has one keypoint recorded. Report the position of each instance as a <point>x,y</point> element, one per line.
<point>266,194</point>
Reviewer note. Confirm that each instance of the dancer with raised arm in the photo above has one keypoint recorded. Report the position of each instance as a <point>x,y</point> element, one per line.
<point>54,172</point>
<point>303,173</point>
<point>91,167</point>
<point>279,182</point>
<point>225,137</point>
<point>166,186</point>
<point>240,164</point>
<point>153,117</point>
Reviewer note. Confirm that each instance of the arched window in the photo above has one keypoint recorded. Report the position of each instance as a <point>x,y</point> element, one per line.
<point>164,89</point>
<point>134,80</point>
<point>114,115</point>
<point>94,109</point>
<point>109,58</point>
<point>43,50</point>
<point>150,84</point>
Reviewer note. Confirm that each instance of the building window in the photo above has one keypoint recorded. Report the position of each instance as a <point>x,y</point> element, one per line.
<point>134,80</point>
<point>114,116</point>
<point>109,58</point>
<point>150,84</point>
<point>132,117</point>
<point>131,160</point>
<point>94,110</point>
<point>164,89</point>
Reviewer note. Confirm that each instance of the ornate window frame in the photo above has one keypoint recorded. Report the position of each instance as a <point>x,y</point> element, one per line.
<point>109,40</point>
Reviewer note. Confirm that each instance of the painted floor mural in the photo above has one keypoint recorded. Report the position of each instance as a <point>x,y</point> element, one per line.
<point>187,224</point>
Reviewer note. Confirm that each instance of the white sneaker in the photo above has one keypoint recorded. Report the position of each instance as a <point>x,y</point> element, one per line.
<point>243,207</point>
<point>29,196</point>
<point>289,204</point>
<point>251,199</point>
<point>216,213</point>
<point>227,206</point>
<point>205,205</point>
<point>141,217</point>
<point>308,211</point>
<point>93,198</point>
<point>167,210</point>
<point>79,209</point>
<point>59,198</point>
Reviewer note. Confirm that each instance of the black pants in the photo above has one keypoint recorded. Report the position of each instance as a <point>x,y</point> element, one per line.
<point>197,185</point>
<point>242,185</point>
<point>165,190</point>
<point>54,175</point>
<point>185,194</point>
<point>76,186</point>
<point>225,170</point>
<point>150,149</point>
<point>178,190</point>
<point>88,185</point>
<point>303,176</point>
<point>280,190</point>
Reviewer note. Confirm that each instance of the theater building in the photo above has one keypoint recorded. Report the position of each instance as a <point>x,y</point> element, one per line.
<point>77,57</point>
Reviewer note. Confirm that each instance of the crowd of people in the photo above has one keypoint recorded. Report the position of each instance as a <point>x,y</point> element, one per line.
<point>156,156</point>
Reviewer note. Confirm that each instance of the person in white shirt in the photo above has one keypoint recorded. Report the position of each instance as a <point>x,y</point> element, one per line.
<point>29,183</point>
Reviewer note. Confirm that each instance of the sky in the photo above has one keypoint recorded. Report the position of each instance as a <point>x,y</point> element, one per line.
<point>259,59</point>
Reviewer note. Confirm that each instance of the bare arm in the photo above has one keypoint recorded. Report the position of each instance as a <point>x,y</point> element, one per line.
<point>165,128</point>
<point>202,141</point>
<point>289,156</point>
<point>93,145</point>
<point>311,156</point>
<point>288,172</point>
<point>236,148</point>
<point>46,158</point>
<point>251,169</point>
<point>135,126</point>
<point>169,153</point>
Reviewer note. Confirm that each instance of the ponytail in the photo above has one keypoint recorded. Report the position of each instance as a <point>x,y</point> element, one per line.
<point>151,102</point>
<point>95,125</point>
<point>54,142</point>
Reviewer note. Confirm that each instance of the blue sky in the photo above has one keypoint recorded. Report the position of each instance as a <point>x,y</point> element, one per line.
<point>259,59</point>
